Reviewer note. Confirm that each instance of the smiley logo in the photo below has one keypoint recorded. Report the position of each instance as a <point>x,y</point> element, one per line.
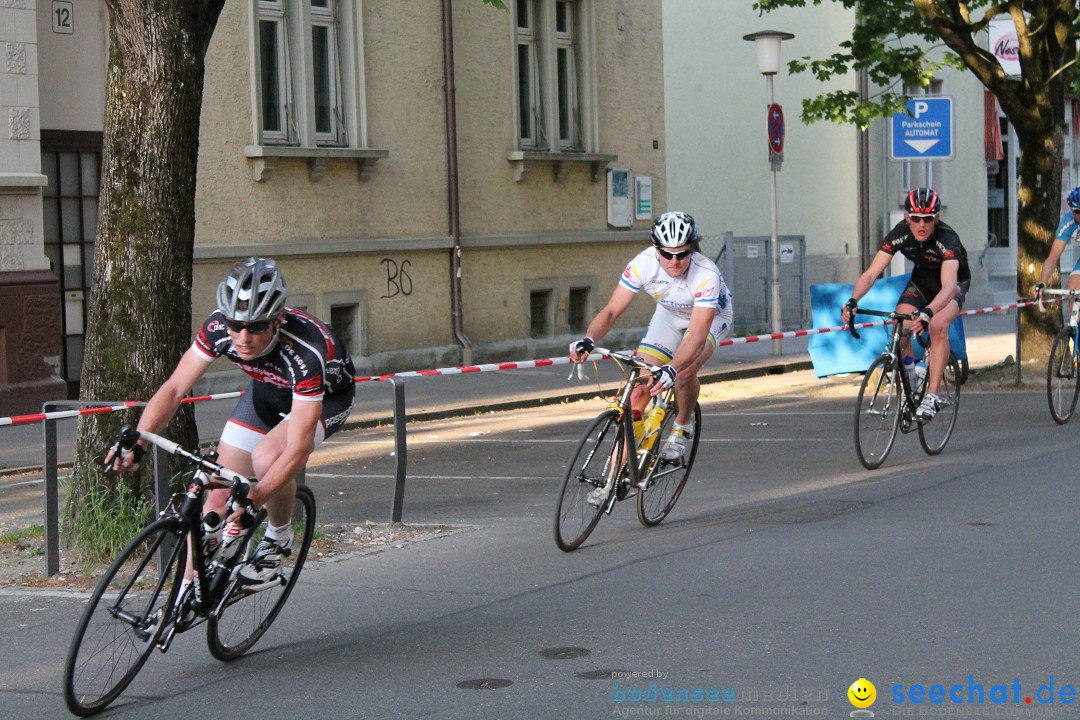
<point>862,693</point>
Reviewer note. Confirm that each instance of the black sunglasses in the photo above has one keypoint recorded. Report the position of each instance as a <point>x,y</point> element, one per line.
<point>255,328</point>
<point>674,255</point>
<point>922,218</point>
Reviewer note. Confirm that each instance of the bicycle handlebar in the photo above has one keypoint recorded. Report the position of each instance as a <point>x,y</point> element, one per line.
<point>891,314</point>
<point>627,358</point>
<point>1072,294</point>
<point>128,436</point>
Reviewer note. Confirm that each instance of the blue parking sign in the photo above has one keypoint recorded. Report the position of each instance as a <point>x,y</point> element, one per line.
<point>925,131</point>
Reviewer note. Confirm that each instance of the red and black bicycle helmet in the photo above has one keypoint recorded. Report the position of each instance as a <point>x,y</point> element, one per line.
<point>923,201</point>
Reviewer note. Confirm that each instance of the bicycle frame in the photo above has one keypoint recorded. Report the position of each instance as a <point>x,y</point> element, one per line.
<point>622,406</point>
<point>912,396</point>
<point>209,475</point>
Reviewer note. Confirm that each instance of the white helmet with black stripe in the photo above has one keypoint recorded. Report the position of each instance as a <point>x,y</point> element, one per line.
<point>674,229</point>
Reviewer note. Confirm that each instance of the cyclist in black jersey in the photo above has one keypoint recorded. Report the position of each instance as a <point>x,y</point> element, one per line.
<point>301,392</point>
<point>939,282</point>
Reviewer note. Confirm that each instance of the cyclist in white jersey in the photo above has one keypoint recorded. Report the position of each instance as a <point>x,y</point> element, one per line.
<point>693,313</point>
<point>1068,229</point>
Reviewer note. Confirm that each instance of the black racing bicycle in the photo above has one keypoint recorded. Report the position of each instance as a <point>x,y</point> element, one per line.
<point>137,606</point>
<point>619,458</point>
<point>887,401</point>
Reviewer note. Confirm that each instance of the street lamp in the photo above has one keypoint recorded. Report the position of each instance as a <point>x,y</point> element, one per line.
<point>767,43</point>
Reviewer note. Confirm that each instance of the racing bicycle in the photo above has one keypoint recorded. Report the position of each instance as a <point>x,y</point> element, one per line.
<point>137,606</point>
<point>619,458</point>
<point>1062,384</point>
<point>887,401</point>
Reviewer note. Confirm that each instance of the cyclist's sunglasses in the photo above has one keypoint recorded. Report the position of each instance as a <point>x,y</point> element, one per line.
<point>674,255</point>
<point>255,328</point>
<point>922,218</point>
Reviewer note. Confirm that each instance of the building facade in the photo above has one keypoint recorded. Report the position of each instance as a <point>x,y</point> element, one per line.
<point>444,181</point>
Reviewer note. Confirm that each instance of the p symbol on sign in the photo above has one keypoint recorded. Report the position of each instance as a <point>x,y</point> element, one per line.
<point>920,107</point>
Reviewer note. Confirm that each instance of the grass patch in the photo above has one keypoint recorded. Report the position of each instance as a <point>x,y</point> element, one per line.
<point>14,537</point>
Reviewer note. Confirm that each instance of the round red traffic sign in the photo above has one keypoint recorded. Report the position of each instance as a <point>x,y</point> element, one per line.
<point>776,128</point>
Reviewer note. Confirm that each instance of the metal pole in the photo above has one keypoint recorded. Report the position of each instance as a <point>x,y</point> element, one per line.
<point>52,502</point>
<point>774,250</point>
<point>400,451</point>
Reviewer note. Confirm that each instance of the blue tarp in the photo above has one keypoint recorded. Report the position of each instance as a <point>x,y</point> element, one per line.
<point>838,352</point>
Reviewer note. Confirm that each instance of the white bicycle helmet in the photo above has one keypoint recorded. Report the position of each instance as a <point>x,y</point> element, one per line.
<point>253,290</point>
<point>674,229</point>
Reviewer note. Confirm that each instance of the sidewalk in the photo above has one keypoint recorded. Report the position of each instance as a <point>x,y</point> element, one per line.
<point>990,339</point>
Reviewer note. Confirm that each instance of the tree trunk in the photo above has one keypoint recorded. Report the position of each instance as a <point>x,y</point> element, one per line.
<point>1039,197</point>
<point>139,319</point>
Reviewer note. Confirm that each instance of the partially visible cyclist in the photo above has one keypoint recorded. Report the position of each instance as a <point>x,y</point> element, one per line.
<point>1068,229</point>
<point>939,283</point>
<point>693,313</point>
<point>301,393</point>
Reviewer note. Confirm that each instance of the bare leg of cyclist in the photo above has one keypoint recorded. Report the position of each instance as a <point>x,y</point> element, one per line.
<point>688,386</point>
<point>279,506</point>
<point>905,338</point>
<point>939,344</point>
<point>1074,284</point>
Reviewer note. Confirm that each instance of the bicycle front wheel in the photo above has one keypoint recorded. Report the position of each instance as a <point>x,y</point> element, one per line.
<point>665,479</point>
<point>246,610</point>
<point>130,607</point>
<point>1062,386</point>
<point>936,432</point>
<point>877,414</point>
<point>599,456</point>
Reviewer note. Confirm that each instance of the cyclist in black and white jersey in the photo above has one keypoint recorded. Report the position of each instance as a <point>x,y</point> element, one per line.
<point>939,282</point>
<point>301,392</point>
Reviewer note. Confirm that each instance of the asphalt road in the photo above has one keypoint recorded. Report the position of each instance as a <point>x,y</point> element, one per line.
<point>785,573</point>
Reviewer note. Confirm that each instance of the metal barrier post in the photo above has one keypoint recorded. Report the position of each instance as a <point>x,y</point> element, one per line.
<point>400,451</point>
<point>52,502</point>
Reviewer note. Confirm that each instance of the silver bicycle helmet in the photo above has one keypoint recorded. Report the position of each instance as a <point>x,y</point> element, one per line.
<point>253,290</point>
<point>673,229</point>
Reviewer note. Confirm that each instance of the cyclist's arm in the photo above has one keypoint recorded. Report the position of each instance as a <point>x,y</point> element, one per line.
<point>159,410</point>
<point>1050,265</point>
<point>696,336</point>
<point>605,319</point>
<point>867,279</point>
<point>161,407</point>
<point>299,443</point>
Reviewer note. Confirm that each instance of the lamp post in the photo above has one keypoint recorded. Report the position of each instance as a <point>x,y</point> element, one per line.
<point>767,43</point>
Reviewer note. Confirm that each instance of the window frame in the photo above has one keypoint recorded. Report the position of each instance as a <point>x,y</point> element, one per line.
<point>298,20</point>
<point>564,102</point>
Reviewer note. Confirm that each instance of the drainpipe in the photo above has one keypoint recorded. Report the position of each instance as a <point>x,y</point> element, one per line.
<point>864,178</point>
<point>453,202</point>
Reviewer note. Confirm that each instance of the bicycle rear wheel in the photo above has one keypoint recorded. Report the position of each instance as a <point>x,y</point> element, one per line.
<point>130,607</point>
<point>877,413</point>
<point>934,434</point>
<point>665,479</point>
<point>246,610</point>
<point>599,455</point>
<point>1062,386</point>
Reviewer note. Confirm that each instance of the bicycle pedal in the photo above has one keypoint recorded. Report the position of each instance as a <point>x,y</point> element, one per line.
<point>166,639</point>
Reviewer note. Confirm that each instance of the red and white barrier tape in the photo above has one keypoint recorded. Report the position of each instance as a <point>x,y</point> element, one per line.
<point>61,414</point>
<point>489,367</point>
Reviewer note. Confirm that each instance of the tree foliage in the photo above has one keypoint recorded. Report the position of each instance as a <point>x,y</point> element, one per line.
<point>903,44</point>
